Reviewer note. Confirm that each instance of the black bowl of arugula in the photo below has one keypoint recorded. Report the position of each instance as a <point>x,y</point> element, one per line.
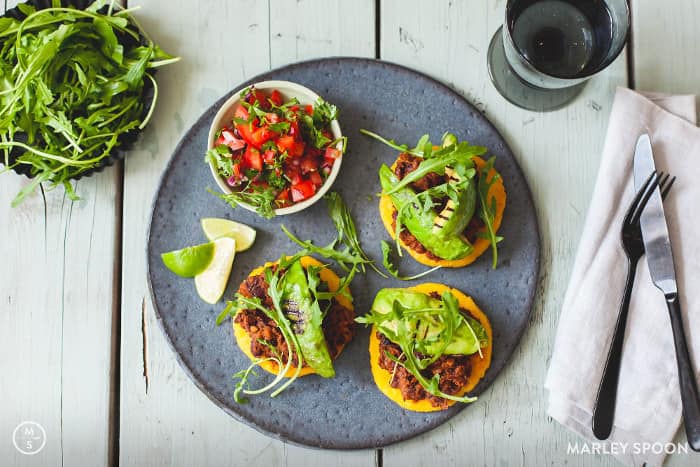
<point>77,88</point>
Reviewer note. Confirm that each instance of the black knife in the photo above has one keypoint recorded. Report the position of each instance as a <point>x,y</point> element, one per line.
<point>663,274</point>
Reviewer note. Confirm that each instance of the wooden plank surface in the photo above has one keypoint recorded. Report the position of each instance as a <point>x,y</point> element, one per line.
<point>666,44</point>
<point>57,286</point>
<point>222,43</point>
<point>56,296</point>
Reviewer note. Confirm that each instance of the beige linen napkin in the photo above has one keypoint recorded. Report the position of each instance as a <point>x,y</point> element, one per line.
<point>648,401</point>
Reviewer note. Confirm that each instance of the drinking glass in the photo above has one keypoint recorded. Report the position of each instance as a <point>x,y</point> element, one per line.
<point>545,51</point>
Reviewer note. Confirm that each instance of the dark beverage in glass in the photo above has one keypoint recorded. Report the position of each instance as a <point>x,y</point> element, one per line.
<point>548,48</point>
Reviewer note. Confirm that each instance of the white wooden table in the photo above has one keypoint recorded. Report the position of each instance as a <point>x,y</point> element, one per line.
<point>80,349</point>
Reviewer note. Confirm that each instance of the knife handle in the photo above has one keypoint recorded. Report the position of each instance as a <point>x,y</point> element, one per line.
<point>686,375</point>
<point>606,399</point>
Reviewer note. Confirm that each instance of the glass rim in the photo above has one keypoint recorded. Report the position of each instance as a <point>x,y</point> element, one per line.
<point>604,64</point>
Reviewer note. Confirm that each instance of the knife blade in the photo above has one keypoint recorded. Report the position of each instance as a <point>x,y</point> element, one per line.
<point>663,274</point>
<point>653,222</point>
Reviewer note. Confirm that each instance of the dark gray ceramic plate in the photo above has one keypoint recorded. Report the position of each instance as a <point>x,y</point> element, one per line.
<point>346,412</point>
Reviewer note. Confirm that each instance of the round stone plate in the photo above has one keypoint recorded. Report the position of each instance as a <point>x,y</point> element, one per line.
<point>348,411</point>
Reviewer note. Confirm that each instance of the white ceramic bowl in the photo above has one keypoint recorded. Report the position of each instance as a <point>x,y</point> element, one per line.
<point>288,90</point>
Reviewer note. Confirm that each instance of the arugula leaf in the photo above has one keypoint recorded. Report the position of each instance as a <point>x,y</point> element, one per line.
<point>393,270</point>
<point>324,112</point>
<point>347,233</point>
<point>487,207</point>
<point>279,127</point>
<point>454,154</point>
<point>461,155</point>
<point>314,134</point>
<point>393,144</point>
<point>71,86</point>
<point>314,279</point>
<point>260,198</point>
<point>313,125</point>
<point>226,313</point>
<point>220,157</point>
<point>346,258</point>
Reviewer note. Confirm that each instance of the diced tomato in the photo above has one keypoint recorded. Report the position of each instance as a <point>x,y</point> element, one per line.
<point>241,112</point>
<point>247,130</point>
<point>283,195</point>
<point>253,159</point>
<point>263,135</point>
<point>258,96</point>
<point>293,175</point>
<point>276,97</point>
<point>309,164</point>
<point>332,153</point>
<point>285,143</point>
<point>290,144</point>
<point>298,149</point>
<point>312,151</point>
<point>269,157</point>
<point>294,108</point>
<point>303,190</point>
<point>309,109</point>
<point>294,128</point>
<point>255,136</point>
<point>316,178</point>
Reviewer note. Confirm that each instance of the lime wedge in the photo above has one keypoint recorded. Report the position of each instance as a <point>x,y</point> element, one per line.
<point>216,228</point>
<point>189,261</point>
<point>211,282</point>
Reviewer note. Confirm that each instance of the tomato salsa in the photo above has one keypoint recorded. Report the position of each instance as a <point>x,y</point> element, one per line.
<point>273,153</point>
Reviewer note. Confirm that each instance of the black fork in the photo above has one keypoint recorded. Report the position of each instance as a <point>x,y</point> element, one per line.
<point>633,245</point>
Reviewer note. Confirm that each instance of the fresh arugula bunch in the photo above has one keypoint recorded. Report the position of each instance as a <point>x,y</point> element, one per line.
<point>71,86</point>
<point>402,326</point>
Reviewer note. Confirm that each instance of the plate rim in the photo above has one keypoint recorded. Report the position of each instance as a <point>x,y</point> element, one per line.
<point>201,385</point>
